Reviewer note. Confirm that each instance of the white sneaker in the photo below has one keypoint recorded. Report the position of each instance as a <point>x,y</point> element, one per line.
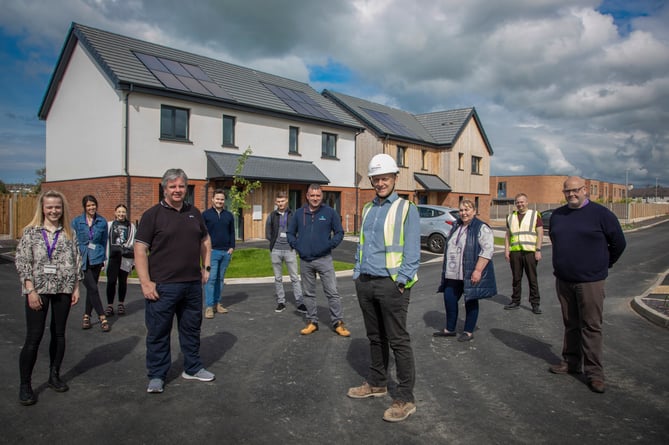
<point>202,375</point>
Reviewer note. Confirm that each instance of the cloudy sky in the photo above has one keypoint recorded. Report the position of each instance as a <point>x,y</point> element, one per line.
<point>561,86</point>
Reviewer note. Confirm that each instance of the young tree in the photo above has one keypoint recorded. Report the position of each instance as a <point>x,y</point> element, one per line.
<point>241,186</point>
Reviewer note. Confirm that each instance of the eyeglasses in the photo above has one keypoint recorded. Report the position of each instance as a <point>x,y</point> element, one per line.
<point>574,191</point>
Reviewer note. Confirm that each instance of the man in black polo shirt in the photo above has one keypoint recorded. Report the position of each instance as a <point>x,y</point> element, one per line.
<point>174,234</point>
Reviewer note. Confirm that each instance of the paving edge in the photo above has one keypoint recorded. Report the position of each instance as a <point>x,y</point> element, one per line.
<point>648,312</point>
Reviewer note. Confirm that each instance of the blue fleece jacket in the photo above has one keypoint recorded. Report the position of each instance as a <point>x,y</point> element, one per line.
<point>586,242</point>
<point>314,234</point>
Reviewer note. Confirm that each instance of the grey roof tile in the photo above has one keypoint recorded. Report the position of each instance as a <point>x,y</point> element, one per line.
<point>115,55</point>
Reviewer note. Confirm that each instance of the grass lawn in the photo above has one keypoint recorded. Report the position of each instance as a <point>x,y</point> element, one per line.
<point>250,263</point>
<point>254,263</point>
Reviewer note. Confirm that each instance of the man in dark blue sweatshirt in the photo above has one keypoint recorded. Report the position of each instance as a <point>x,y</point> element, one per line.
<point>221,227</point>
<point>587,240</point>
<point>313,232</point>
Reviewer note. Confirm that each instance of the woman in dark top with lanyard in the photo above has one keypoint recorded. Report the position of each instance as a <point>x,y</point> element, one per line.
<point>120,258</point>
<point>91,234</point>
<point>48,264</point>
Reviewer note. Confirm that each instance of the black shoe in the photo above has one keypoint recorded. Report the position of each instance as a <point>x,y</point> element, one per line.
<point>302,309</point>
<point>280,307</point>
<point>443,333</point>
<point>536,309</point>
<point>55,382</point>
<point>512,305</point>
<point>466,337</point>
<point>26,395</point>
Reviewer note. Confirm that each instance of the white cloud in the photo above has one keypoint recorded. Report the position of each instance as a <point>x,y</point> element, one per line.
<point>554,81</point>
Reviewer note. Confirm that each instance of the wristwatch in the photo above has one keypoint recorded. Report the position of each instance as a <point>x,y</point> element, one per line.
<point>208,268</point>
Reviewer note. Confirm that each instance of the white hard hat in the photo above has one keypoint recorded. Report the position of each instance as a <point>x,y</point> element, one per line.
<point>382,164</point>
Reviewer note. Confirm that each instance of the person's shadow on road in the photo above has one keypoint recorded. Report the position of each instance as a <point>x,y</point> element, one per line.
<point>526,344</point>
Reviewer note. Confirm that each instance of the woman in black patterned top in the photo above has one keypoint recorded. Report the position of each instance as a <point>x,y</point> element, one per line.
<point>49,267</point>
<point>120,258</point>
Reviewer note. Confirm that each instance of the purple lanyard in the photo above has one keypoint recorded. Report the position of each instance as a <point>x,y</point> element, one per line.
<point>50,248</point>
<point>462,229</point>
<point>90,230</point>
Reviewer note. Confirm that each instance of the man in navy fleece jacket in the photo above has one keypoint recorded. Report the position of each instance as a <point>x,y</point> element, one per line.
<point>313,231</point>
<point>587,240</point>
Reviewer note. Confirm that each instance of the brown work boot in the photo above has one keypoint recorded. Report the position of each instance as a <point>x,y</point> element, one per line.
<point>399,411</point>
<point>341,329</point>
<point>310,328</point>
<point>563,368</point>
<point>366,390</point>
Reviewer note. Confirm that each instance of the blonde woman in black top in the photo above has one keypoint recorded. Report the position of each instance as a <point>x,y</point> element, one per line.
<point>49,267</point>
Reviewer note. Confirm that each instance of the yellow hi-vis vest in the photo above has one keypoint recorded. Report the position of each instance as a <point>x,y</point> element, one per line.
<point>523,235</point>
<point>393,236</point>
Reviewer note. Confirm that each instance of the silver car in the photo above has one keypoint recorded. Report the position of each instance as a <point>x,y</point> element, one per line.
<point>436,223</point>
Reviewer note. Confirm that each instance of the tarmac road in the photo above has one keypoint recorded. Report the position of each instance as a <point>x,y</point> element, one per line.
<point>275,386</point>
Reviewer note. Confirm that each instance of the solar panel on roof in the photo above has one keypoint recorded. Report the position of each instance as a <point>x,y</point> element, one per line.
<point>389,122</point>
<point>182,76</point>
<point>300,102</point>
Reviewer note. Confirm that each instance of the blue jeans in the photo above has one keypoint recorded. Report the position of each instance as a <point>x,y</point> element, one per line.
<point>452,294</point>
<point>220,259</point>
<point>325,269</point>
<point>185,301</point>
<point>289,257</point>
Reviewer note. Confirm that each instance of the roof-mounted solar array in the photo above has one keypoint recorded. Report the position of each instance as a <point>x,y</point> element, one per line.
<point>182,76</point>
<point>389,122</point>
<point>300,102</point>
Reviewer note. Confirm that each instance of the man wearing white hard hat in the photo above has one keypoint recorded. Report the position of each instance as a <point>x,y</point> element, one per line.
<point>386,267</point>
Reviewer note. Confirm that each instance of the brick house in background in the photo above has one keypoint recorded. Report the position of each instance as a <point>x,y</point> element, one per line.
<point>443,156</point>
<point>121,111</point>
<point>547,189</point>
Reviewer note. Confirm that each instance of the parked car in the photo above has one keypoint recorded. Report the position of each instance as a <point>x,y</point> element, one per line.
<point>546,218</point>
<point>436,223</point>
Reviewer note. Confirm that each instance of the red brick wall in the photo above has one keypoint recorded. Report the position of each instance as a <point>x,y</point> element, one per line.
<point>111,191</point>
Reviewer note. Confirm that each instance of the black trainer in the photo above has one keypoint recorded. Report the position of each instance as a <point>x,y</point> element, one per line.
<point>536,309</point>
<point>280,307</point>
<point>26,395</point>
<point>512,305</point>
<point>302,309</point>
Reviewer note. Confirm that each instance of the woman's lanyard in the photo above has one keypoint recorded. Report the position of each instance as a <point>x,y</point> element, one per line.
<point>462,229</point>
<point>50,248</point>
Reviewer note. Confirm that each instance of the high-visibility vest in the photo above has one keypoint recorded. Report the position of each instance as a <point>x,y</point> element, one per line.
<point>523,234</point>
<point>393,236</point>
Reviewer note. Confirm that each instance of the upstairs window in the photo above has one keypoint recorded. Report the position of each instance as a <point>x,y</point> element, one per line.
<point>401,156</point>
<point>229,131</point>
<point>461,161</point>
<point>329,149</point>
<point>476,165</point>
<point>423,159</point>
<point>293,138</point>
<point>173,123</point>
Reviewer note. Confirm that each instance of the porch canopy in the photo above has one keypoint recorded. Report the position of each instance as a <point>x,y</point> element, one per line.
<point>431,183</point>
<point>223,166</point>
